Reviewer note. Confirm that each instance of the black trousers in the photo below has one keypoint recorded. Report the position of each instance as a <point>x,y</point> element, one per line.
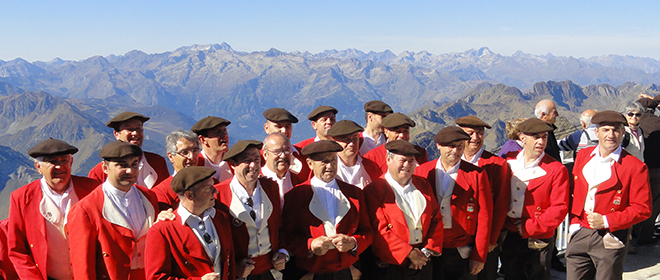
<point>450,265</point>
<point>519,262</point>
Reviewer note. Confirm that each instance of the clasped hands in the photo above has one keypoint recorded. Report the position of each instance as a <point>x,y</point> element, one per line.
<point>323,244</point>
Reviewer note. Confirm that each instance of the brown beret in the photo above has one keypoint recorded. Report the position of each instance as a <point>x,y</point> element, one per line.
<point>119,149</point>
<point>279,115</point>
<point>534,126</point>
<point>397,119</point>
<point>118,119</point>
<point>377,106</point>
<point>240,147</point>
<point>314,115</point>
<point>648,103</point>
<point>52,147</point>
<point>450,134</point>
<point>344,127</point>
<point>187,177</point>
<point>471,121</point>
<point>207,123</point>
<point>322,146</point>
<point>608,117</point>
<point>402,147</point>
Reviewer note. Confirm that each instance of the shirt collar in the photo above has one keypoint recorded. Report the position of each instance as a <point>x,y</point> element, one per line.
<point>396,184</point>
<point>452,170</point>
<point>51,193</point>
<point>185,214</point>
<point>112,190</point>
<point>521,158</point>
<point>241,192</point>
<point>476,157</point>
<point>614,156</point>
<point>316,182</point>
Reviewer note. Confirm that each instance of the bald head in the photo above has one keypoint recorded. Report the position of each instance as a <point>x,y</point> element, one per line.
<point>585,118</point>
<point>546,110</point>
<point>277,153</point>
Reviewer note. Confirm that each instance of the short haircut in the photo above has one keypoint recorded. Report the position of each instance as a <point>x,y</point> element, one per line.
<point>174,136</point>
<point>632,107</point>
<point>277,133</point>
<point>586,119</point>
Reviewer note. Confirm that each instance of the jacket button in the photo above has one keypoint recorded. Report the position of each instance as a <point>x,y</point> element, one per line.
<point>538,208</point>
<point>31,245</point>
<point>471,199</point>
<point>469,217</point>
<point>576,177</point>
<point>105,254</point>
<point>618,191</point>
<point>612,209</point>
<point>389,225</point>
<point>36,264</point>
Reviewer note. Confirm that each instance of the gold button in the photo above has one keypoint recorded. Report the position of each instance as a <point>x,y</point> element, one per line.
<point>618,191</point>
<point>389,225</point>
<point>469,217</point>
<point>538,208</point>
<point>105,254</point>
<point>575,177</point>
<point>36,264</point>
<point>612,209</point>
<point>471,199</point>
<point>31,245</point>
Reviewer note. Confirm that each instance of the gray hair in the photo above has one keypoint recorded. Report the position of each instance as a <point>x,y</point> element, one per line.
<point>390,155</point>
<point>174,136</point>
<point>586,119</point>
<point>277,133</point>
<point>541,108</point>
<point>632,107</point>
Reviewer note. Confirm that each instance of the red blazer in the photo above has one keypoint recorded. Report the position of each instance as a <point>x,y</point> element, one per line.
<point>26,238</point>
<point>7,270</point>
<point>157,163</point>
<point>174,252</point>
<point>167,198</point>
<point>379,154</point>
<point>499,178</point>
<point>546,200</point>
<point>300,227</point>
<point>300,145</point>
<point>391,233</point>
<point>471,196</point>
<point>239,229</point>
<point>201,161</point>
<point>99,248</point>
<point>625,199</point>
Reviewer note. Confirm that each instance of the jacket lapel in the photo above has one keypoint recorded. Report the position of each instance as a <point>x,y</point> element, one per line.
<point>114,216</point>
<point>317,209</point>
<point>267,208</point>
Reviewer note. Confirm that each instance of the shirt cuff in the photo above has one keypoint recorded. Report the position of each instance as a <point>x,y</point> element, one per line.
<point>428,253</point>
<point>573,228</point>
<point>605,223</point>
<point>355,248</point>
<point>285,252</point>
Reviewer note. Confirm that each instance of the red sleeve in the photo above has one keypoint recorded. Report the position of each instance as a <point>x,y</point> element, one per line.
<point>482,236</point>
<point>82,243</point>
<point>554,215</point>
<point>20,253</point>
<point>158,257</point>
<point>639,208</point>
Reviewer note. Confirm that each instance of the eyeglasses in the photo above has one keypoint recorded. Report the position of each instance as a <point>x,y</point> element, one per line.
<point>206,236</point>
<point>250,203</point>
<point>188,153</point>
<point>631,114</point>
<point>279,153</point>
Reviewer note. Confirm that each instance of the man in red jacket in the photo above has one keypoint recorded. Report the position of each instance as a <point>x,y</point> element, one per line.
<point>107,229</point>
<point>37,213</point>
<point>128,127</point>
<point>373,136</point>
<point>609,196</point>
<point>214,141</point>
<point>325,222</point>
<point>464,196</point>
<point>276,151</point>
<point>499,176</point>
<point>322,118</point>
<point>539,203</point>
<point>281,120</point>
<point>405,217</point>
<point>350,166</point>
<point>197,242</point>
<point>253,203</point>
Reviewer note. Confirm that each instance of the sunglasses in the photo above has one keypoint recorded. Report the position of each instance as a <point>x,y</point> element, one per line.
<point>634,114</point>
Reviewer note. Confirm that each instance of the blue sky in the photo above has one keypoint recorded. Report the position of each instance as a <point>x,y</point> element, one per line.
<point>75,30</point>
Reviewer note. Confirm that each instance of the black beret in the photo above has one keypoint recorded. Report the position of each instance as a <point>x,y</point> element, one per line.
<point>533,126</point>
<point>52,147</point>
<point>322,146</point>
<point>119,149</point>
<point>608,117</point>
<point>397,119</point>
<point>344,127</point>
<point>402,147</point>
<point>118,119</point>
<point>450,134</point>
<point>187,177</point>
<point>471,121</point>
<point>207,123</point>
<point>279,115</point>
<point>377,106</point>
<point>240,147</point>
<point>314,115</point>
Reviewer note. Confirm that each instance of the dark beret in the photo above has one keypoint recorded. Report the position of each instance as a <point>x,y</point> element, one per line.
<point>397,119</point>
<point>52,147</point>
<point>534,126</point>
<point>279,115</point>
<point>608,117</point>
<point>240,147</point>
<point>118,119</point>
<point>314,115</point>
<point>119,149</point>
<point>344,127</point>
<point>648,103</point>
<point>401,147</point>
<point>187,177</point>
<point>471,121</point>
<point>322,146</point>
<point>377,106</point>
<point>207,123</point>
<point>450,134</point>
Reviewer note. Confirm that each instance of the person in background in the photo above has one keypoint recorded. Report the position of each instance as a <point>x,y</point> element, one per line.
<point>373,136</point>
<point>276,151</point>
<point>350,166</point>
<point>322,118</point>
<point>633,140</point>
<point>580,139</point>
<point>281,120</point>
<point>214,140</point>
<point>515,140</point>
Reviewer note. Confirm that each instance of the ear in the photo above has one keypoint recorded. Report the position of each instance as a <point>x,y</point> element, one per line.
<point>37,166</point>
<point>309,162</point>
<point>171,157</point>
<point>202,140</point>
<point>116,134</point>
<point>266,128</point>
<point>105,167</point>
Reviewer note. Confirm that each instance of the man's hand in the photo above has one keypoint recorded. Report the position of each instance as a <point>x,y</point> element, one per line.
<point>417,259</point>
<point>476,267</point>
<point>491,247</point>
<point>321,245</point>
<point>211,276</point>
<point>165,215</point>
<point>644,95</point>
<point>595,220</point>
<point>355,273</point>
<point>518,224</point>
<point>244,267</point>
<point>279,261</point>
<point>343,242</point>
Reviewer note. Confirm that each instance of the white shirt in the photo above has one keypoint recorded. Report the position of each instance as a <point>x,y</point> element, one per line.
<point>62,201</point>
<point>444,185</point>
<point>222,170</point>
<point>57,256</point>
<point>201,226</point>
<point>521,176</point>
<point>147,176</point>
<point>475,159</point>
<point>284,183</point>
<point>355,175</point>
<point>370,143</point>
<point>597,171</point>
<point>129,204</point>
<point>330,195</point>
<point>242,195</point>
<point>412,203</point>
